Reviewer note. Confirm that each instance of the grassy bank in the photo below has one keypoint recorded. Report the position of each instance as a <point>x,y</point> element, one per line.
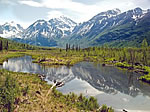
<point>146,78</point>
<point>23,92</point>
<point>5,55</point>
<point>54,57</point>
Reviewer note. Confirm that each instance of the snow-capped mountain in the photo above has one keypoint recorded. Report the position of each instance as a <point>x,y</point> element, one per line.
<point>52,29</point>
<point>11,30</point>
<point>63,24</point>
<point>98,22</point>
<point>46,33</point>
<point>108,19</point>
<point>106,27</point>
<point>92,31</point>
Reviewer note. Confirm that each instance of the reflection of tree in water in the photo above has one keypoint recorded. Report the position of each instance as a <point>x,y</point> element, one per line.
<point>130,81</point>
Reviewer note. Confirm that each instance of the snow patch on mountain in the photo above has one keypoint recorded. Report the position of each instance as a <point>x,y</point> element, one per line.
<point>138,13</point>
<point>53,29</point>
<point>11,30</point>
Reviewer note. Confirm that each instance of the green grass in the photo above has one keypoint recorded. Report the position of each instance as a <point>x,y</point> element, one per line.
<point>26,92</point>
<point>123,65</point>
<point>5,55</point>
<point>146,78</point>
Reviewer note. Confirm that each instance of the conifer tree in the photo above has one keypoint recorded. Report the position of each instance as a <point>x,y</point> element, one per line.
<point>144,43</point>
<point>1,46</point>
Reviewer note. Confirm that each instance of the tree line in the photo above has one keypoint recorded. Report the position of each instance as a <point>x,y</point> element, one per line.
<point>132,56</point>
<point>3,45</point>
<point>73,47</point>
<point>6,44</point>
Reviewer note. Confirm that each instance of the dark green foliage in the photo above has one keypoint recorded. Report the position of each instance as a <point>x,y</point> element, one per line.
<point>5,45</point>
<point>144,43</point>
<point>80,101</point>
<point>12,45</point>
<point>9,90</point>
<point>73,47</point>
<point>104,108</point>
<point>1,46</point>
<point>67,47</point>
<point>25,90</point>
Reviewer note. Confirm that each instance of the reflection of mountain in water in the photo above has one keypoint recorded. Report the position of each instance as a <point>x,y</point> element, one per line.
<point>62,74</point>
<point>106,79</point>
<point>24,64</point>
<point>110,79</point>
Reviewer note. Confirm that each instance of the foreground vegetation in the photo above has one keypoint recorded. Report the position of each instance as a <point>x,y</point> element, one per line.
<point>23,92</point>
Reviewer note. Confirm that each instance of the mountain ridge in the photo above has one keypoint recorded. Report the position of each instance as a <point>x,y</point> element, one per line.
<point>110,27</point>
<point>104,31</point>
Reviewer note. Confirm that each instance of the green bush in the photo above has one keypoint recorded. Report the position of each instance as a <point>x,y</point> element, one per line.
<point>104,108</point>
<point>8,93</point>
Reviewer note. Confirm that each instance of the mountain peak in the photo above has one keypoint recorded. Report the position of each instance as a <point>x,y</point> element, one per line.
<point>113,12</point>
<point>11,29</point>
<point>110,13</point>
<point>12,23</point>
<point>107,14</point>
<point>39,22</point>
<point>118,11</point>
<point>138,9</point>
<point>64,19</point>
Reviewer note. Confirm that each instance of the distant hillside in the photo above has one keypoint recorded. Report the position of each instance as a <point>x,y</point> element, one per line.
<point>12,45</point>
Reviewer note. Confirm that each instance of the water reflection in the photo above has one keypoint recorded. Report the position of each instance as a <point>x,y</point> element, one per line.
<point>110,81</point>
<point>107,79</point>
<point>24,64</point>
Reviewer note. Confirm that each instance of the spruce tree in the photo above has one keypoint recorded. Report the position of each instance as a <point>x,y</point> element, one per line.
<point>144,43</point>
<point>1,46</point>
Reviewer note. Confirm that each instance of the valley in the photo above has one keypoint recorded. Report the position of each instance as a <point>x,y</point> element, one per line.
<point>67,64</point>
<point>102,63</point>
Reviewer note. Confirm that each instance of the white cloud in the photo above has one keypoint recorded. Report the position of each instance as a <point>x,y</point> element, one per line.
<point>31,3</point>
<point>83,11</point>
<point>68,4</point>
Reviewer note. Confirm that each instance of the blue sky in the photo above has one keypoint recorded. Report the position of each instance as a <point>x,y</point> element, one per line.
<point>25,12</point>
